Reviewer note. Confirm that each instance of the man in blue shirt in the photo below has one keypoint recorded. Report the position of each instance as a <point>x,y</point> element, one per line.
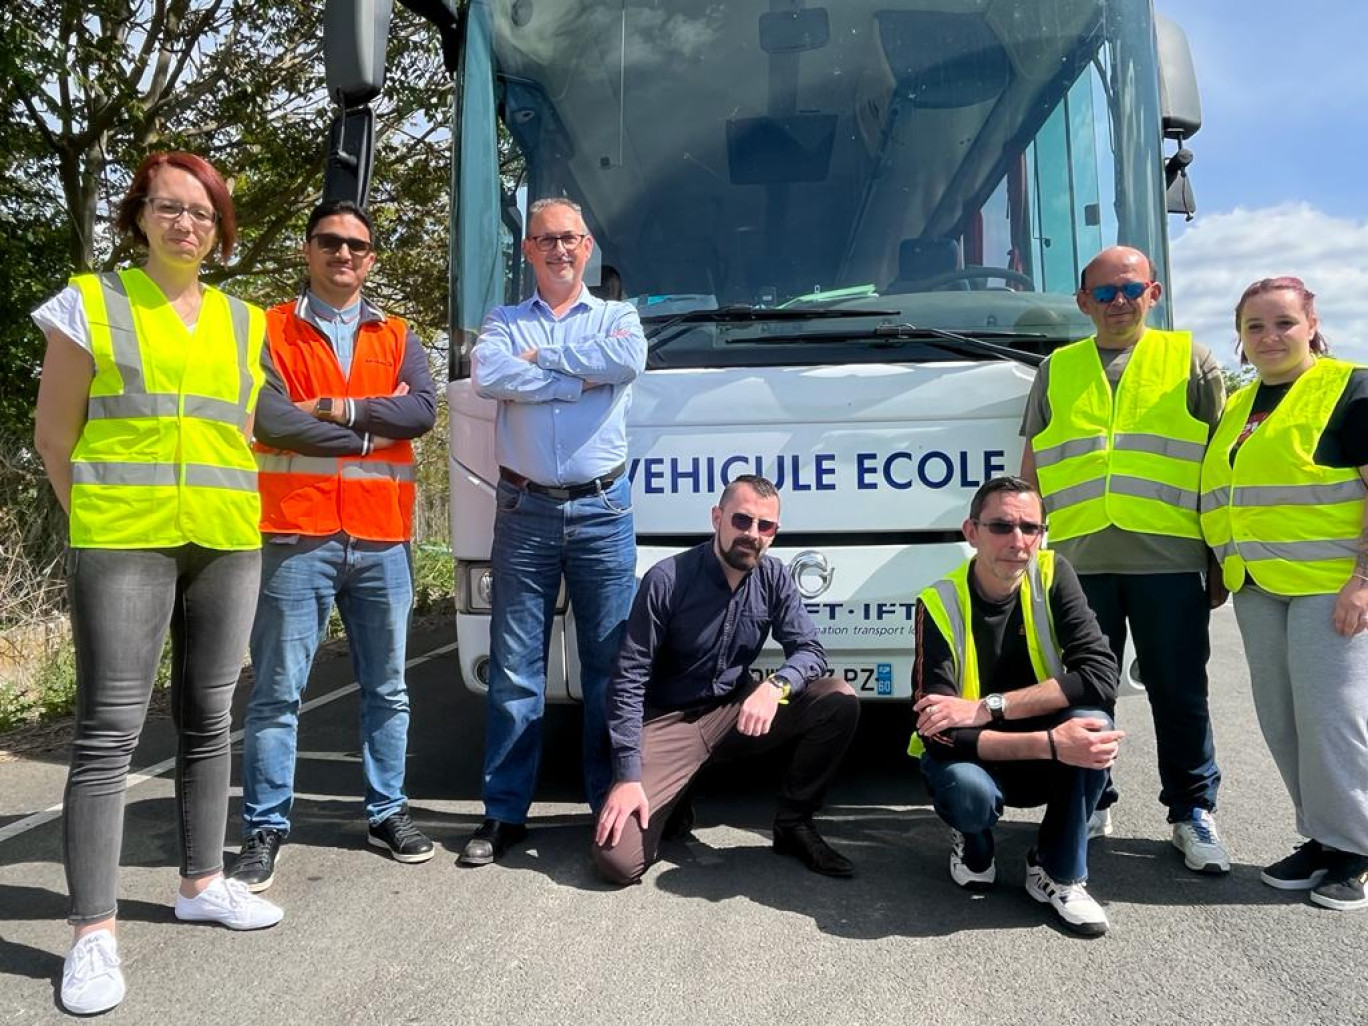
<point>682,693</point>
<point>560,366</point>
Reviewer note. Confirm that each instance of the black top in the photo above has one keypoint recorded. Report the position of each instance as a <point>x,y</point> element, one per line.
<point>1344,442</point>
<point>1090,676</point>
<point>690,642</point>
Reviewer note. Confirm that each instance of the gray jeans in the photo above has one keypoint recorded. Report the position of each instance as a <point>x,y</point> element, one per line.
<point>1311,695</point>
<point>122,603</point>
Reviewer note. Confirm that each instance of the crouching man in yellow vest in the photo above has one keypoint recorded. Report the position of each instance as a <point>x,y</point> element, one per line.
<point>1010,683</point>
<point>1116,427</point>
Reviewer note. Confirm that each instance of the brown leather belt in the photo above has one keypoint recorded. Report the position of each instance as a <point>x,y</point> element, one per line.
<point>566,493</point>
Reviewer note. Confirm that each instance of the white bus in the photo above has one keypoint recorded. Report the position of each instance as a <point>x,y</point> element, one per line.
<point>851,231</point>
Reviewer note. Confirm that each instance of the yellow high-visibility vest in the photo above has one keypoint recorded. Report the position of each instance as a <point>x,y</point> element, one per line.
<point>162,459</point>
<point>1276,515</point>
<point>1132,462</point>
<point>947,602</point>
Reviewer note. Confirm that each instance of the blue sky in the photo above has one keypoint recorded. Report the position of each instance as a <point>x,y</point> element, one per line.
<point>1280,175</point>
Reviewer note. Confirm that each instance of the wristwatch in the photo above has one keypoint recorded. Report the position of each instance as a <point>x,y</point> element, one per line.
<point>996,706</point>
<point>323,406</point>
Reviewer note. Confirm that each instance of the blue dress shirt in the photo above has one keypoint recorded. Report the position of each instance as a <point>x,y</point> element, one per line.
<point>338,327</point>
<point>562,420</point>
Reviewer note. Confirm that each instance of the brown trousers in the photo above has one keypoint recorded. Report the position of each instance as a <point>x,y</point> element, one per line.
<point>674,747</point>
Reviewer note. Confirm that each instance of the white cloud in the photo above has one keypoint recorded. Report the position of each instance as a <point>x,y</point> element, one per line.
<point>1220,254</point>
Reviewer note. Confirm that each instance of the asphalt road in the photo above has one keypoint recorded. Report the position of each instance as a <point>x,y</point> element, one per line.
<point>721,931</point>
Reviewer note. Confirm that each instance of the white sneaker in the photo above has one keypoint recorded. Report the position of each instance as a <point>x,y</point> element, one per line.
<point>91,979</point>
<point>1201,846</point>
<point>962,874</point>
<point>229,902</point>
<point>1100,824</point>
<point>1072,903</point>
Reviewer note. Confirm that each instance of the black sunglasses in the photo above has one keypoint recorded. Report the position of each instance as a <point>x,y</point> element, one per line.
<point>1028,528</point>
<point>743,521</point>
<point>331,243</point>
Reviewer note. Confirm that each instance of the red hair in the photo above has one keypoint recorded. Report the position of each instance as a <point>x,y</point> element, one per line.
<point>126,219</point>
<point>1266,285</point>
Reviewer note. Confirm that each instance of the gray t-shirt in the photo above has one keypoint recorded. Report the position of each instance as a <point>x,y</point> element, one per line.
<point>1113,550</point>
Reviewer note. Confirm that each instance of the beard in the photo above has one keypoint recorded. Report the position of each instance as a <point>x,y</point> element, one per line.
<point>742,555</point>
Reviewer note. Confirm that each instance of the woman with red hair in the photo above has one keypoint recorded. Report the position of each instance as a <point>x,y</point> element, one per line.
<point>144,414</point>
<point>1284,490</point>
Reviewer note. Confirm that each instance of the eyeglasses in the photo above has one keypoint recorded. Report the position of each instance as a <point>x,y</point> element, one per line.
<point>1028,528</point>
<point>170,211</point>
<point>1132,290</point>
<point>743,521</point>
<point>546,243</point>
<point>331,243</point>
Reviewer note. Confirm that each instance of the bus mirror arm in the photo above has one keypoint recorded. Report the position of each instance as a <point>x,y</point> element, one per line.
<point>1179,198</point>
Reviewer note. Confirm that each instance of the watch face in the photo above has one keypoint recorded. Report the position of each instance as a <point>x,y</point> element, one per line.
<point>994,702</point>
<point>324,406</point>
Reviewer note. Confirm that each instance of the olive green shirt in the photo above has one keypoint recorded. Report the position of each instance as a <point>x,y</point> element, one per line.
<point>1113,550</point>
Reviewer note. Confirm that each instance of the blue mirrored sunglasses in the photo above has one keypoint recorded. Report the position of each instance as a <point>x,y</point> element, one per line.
<point>1132,290</point>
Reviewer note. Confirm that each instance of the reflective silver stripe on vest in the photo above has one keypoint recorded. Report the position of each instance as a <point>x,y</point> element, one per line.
<point>277,463</point>
<point>1040,615</point>
<point>1159,445</point>
<point>1299,551</point>
<point>203,408</point>
<point>1075,494</point>
<point>388,471</point>
<point>1216,498</point>
<point>1224,552</point>
<point>1140,488</point>
<point>1067,450</point>
<point>147,474</point>
<point>201,475</point>
<point>122,333</point>
<point>1300,495</point>
<point>241,317</point>
<point>949,599</point>
<point>123,406</point>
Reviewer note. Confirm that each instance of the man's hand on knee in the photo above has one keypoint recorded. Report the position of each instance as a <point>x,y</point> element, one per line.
<point>626,799</point>
<point>757,711</point>
<point>1087,742</point>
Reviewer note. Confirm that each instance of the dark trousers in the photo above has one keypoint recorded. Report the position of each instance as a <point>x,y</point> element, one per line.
<point>970,796</point>
<point>821,719</point>
<point>122,604</point>
<point>1168,616</point>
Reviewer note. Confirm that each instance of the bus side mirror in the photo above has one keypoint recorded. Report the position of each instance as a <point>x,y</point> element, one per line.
<point>1180,110</point>
<point>1180,106</point>
<point>354,37</point>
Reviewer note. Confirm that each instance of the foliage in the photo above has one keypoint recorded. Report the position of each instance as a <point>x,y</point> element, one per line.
<point>1237,377</point>
<point>94,86</point>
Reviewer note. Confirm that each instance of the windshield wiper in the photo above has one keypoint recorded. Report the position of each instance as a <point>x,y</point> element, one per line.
<point>895,334</point>
<point>741,313</point>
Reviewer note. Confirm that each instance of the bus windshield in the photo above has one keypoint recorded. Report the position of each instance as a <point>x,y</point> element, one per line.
<point>942,165</point>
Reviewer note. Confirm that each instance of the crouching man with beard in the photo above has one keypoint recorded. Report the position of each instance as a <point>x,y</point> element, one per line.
<point>682,693</point>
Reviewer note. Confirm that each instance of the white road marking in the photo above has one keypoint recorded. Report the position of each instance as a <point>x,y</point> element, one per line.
<point>37,819</point>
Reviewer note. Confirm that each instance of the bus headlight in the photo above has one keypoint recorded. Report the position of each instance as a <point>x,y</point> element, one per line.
<point>476,588</point>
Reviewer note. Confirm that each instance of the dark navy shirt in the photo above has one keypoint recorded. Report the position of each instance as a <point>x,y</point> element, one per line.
<point>690,642</point>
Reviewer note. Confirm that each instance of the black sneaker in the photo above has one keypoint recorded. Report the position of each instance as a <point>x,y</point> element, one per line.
<point>256,863</point>
<point>1342,887</point>
<point>401,838</point>
<point>1301,870</point>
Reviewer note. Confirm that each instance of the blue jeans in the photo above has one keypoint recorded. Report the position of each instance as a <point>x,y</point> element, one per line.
<point>970,797</point>
<point>1169,616</point>
<point>373,587</point>
<point>591,542</point>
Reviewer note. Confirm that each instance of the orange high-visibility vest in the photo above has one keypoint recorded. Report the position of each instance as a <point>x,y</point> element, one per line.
<point>368,497</point>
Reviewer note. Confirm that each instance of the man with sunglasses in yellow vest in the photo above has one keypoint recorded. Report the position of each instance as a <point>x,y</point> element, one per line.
<point>1116,428</point>
<point>1011,684</point>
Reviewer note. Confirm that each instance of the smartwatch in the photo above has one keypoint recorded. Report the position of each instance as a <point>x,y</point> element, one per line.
<point>323,406</point>
<point>996,706</point>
